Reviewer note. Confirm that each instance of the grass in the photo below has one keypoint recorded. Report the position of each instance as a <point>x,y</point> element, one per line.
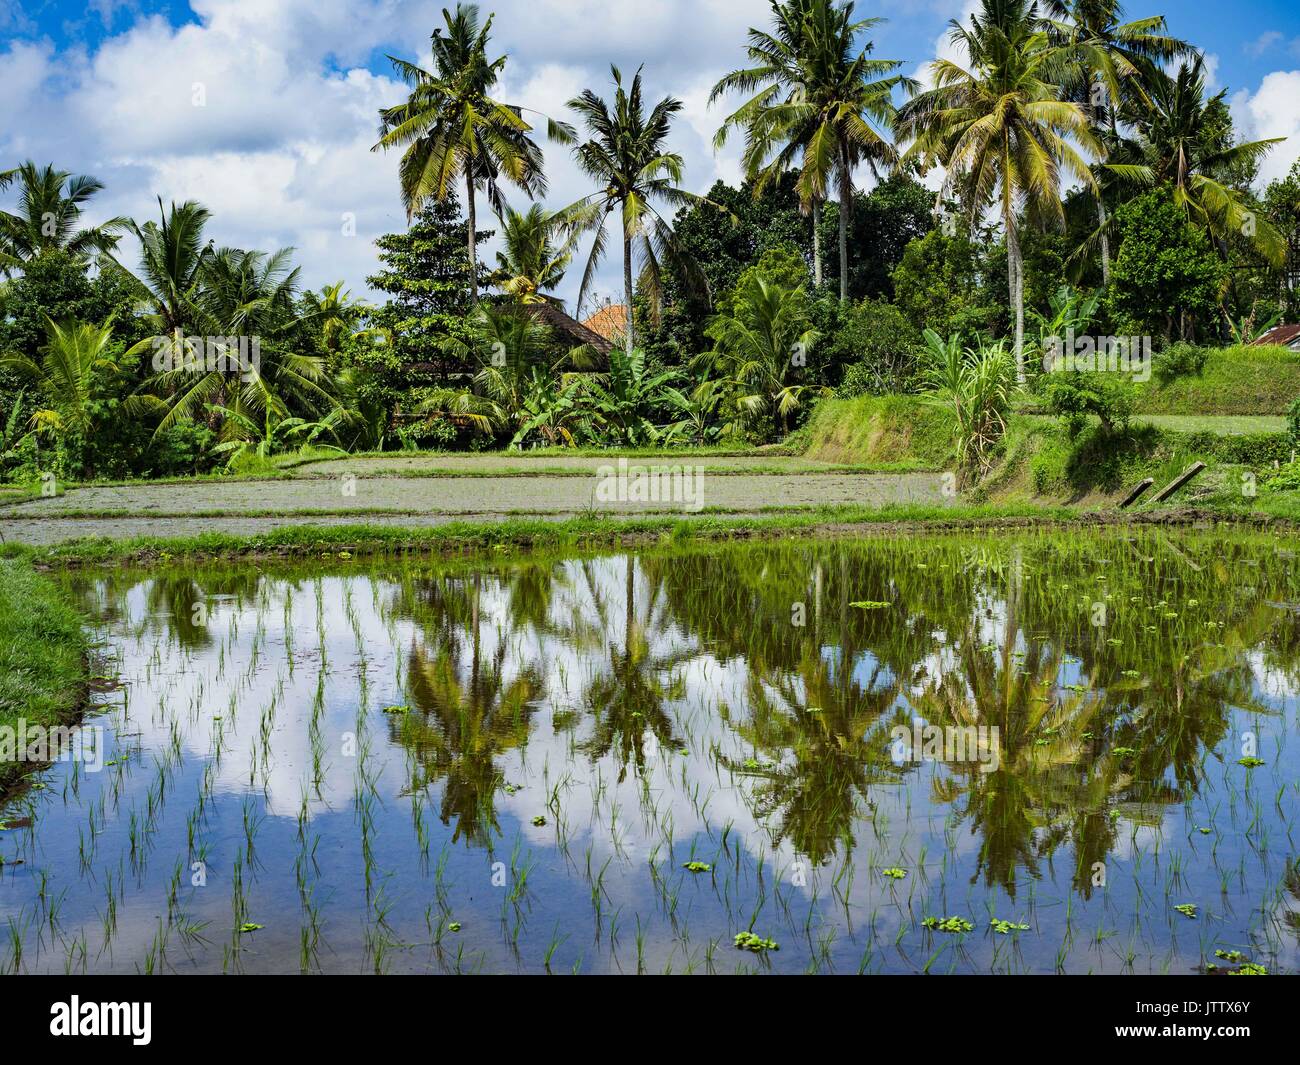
<point>42,656</point>
<point>469,537</point>
<point>1042,462</point>
<point>1235,381</point>
<point>901,433</point>
<point>1223,424</point>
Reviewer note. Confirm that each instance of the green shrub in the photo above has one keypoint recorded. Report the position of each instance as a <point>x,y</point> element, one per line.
<point>1074,395</point>
<point>1287,479</point>
<point>1247,449</point>
<point>1293,421</point>
<point>884,344</point>
<point>184,448</point>
<point>1179,360</point>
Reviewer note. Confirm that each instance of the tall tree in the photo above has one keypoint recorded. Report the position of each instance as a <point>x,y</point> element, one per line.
<point>819,100</point>
<point>50,206</point>
<point>1188,144</point>
<point>426,274</point>
<point>628,159</point>
<point>172,257</point>
<point>535,254</point>
<point>1107,61</point>
<point>453,129</point>
<point>1001,129</point>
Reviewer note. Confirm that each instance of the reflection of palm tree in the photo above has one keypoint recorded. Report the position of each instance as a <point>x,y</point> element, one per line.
<point>629,700</point>
<point>1046,787</point>
<point>835,730</point>
<point>465,723</point>
<point>469,715</point>
<point>1291,881</point>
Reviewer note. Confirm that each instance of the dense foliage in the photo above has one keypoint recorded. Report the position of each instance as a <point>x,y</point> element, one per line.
<point>748,304</point>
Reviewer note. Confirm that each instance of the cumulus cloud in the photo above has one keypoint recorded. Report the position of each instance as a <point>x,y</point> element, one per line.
<point>1272,111</point>
<point>266,110</point>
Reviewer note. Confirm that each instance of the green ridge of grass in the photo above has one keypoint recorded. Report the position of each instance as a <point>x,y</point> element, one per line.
<point>466,537</point>
<point>43,657</point>
<point>901,433</point>
<point>1041,461</point>
<point>1235,380</point>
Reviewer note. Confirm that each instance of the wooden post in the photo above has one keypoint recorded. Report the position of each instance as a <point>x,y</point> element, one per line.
<point>1179,481</point>
<point>1132,497</point>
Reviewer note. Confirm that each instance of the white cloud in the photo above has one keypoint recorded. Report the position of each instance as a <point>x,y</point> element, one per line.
<point>1263,43</point>
<point>279,148</point>
<point>1272,111</point>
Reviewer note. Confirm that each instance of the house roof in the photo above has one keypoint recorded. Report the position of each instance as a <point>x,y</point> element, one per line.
<point>567,327</point>
<point>1286,335</point>
<point>610,321</point>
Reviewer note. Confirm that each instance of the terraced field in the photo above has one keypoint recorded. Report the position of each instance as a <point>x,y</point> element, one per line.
<point>431,490</point>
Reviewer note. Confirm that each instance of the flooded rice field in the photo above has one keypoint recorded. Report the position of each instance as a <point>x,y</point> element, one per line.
<point>1037,753</point>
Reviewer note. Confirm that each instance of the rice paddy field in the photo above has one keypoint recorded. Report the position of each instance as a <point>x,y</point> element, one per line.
<point>1046,752</point>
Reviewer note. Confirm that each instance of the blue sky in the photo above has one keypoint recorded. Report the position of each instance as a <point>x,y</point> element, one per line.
<point>279,148</point>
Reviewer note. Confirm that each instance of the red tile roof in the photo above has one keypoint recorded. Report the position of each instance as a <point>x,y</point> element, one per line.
<point>610,321</point>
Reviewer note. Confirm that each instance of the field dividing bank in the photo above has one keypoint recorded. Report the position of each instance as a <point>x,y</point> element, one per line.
<point>249,507</point>
<point>218,539</point>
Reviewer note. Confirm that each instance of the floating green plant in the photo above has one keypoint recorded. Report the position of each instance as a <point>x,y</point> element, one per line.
<point>397,709</point>
<point>1250,763</point>
<point>1233,956</point>
<point>1005,928</point>
<point>754,943</point>
<point>1187,909</point>
<point>539,821</point>
<point>894,873</point>
<point>870,604</point>
<point>697,867</point>
<point>249,926</point>
<point>948,924</point>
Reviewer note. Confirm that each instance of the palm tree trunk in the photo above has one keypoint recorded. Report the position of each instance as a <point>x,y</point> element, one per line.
<point>846,205</point>
<point>817,247</point>
<point>627,289</point>
<point>473,238</point>
<point>1016,282</point>
<point>1105,240</point>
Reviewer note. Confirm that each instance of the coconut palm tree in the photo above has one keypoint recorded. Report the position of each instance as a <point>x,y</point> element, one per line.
<point>453,129</point>
<point>627,158</point>
<point>1188,147</point>
<point>335,313</point>
<point>1001,129</point>
<point>753,343</point>
<point>250,295</point>
<point>73,354</point>
<point>196,290</point>
<point>820,100</point>
<point>50,206</point>
<point>75,361</point>
<point>535,255</point>
<point>172,258</point>
<point>1107,60</point>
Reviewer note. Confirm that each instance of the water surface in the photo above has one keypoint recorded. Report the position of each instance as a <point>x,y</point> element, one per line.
<point>508,765</point>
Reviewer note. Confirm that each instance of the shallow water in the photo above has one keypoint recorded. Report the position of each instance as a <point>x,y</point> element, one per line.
<point>352,755</point>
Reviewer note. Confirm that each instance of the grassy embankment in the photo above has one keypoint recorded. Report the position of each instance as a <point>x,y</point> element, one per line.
<point>43,657</point>
<point>1211,418</point>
